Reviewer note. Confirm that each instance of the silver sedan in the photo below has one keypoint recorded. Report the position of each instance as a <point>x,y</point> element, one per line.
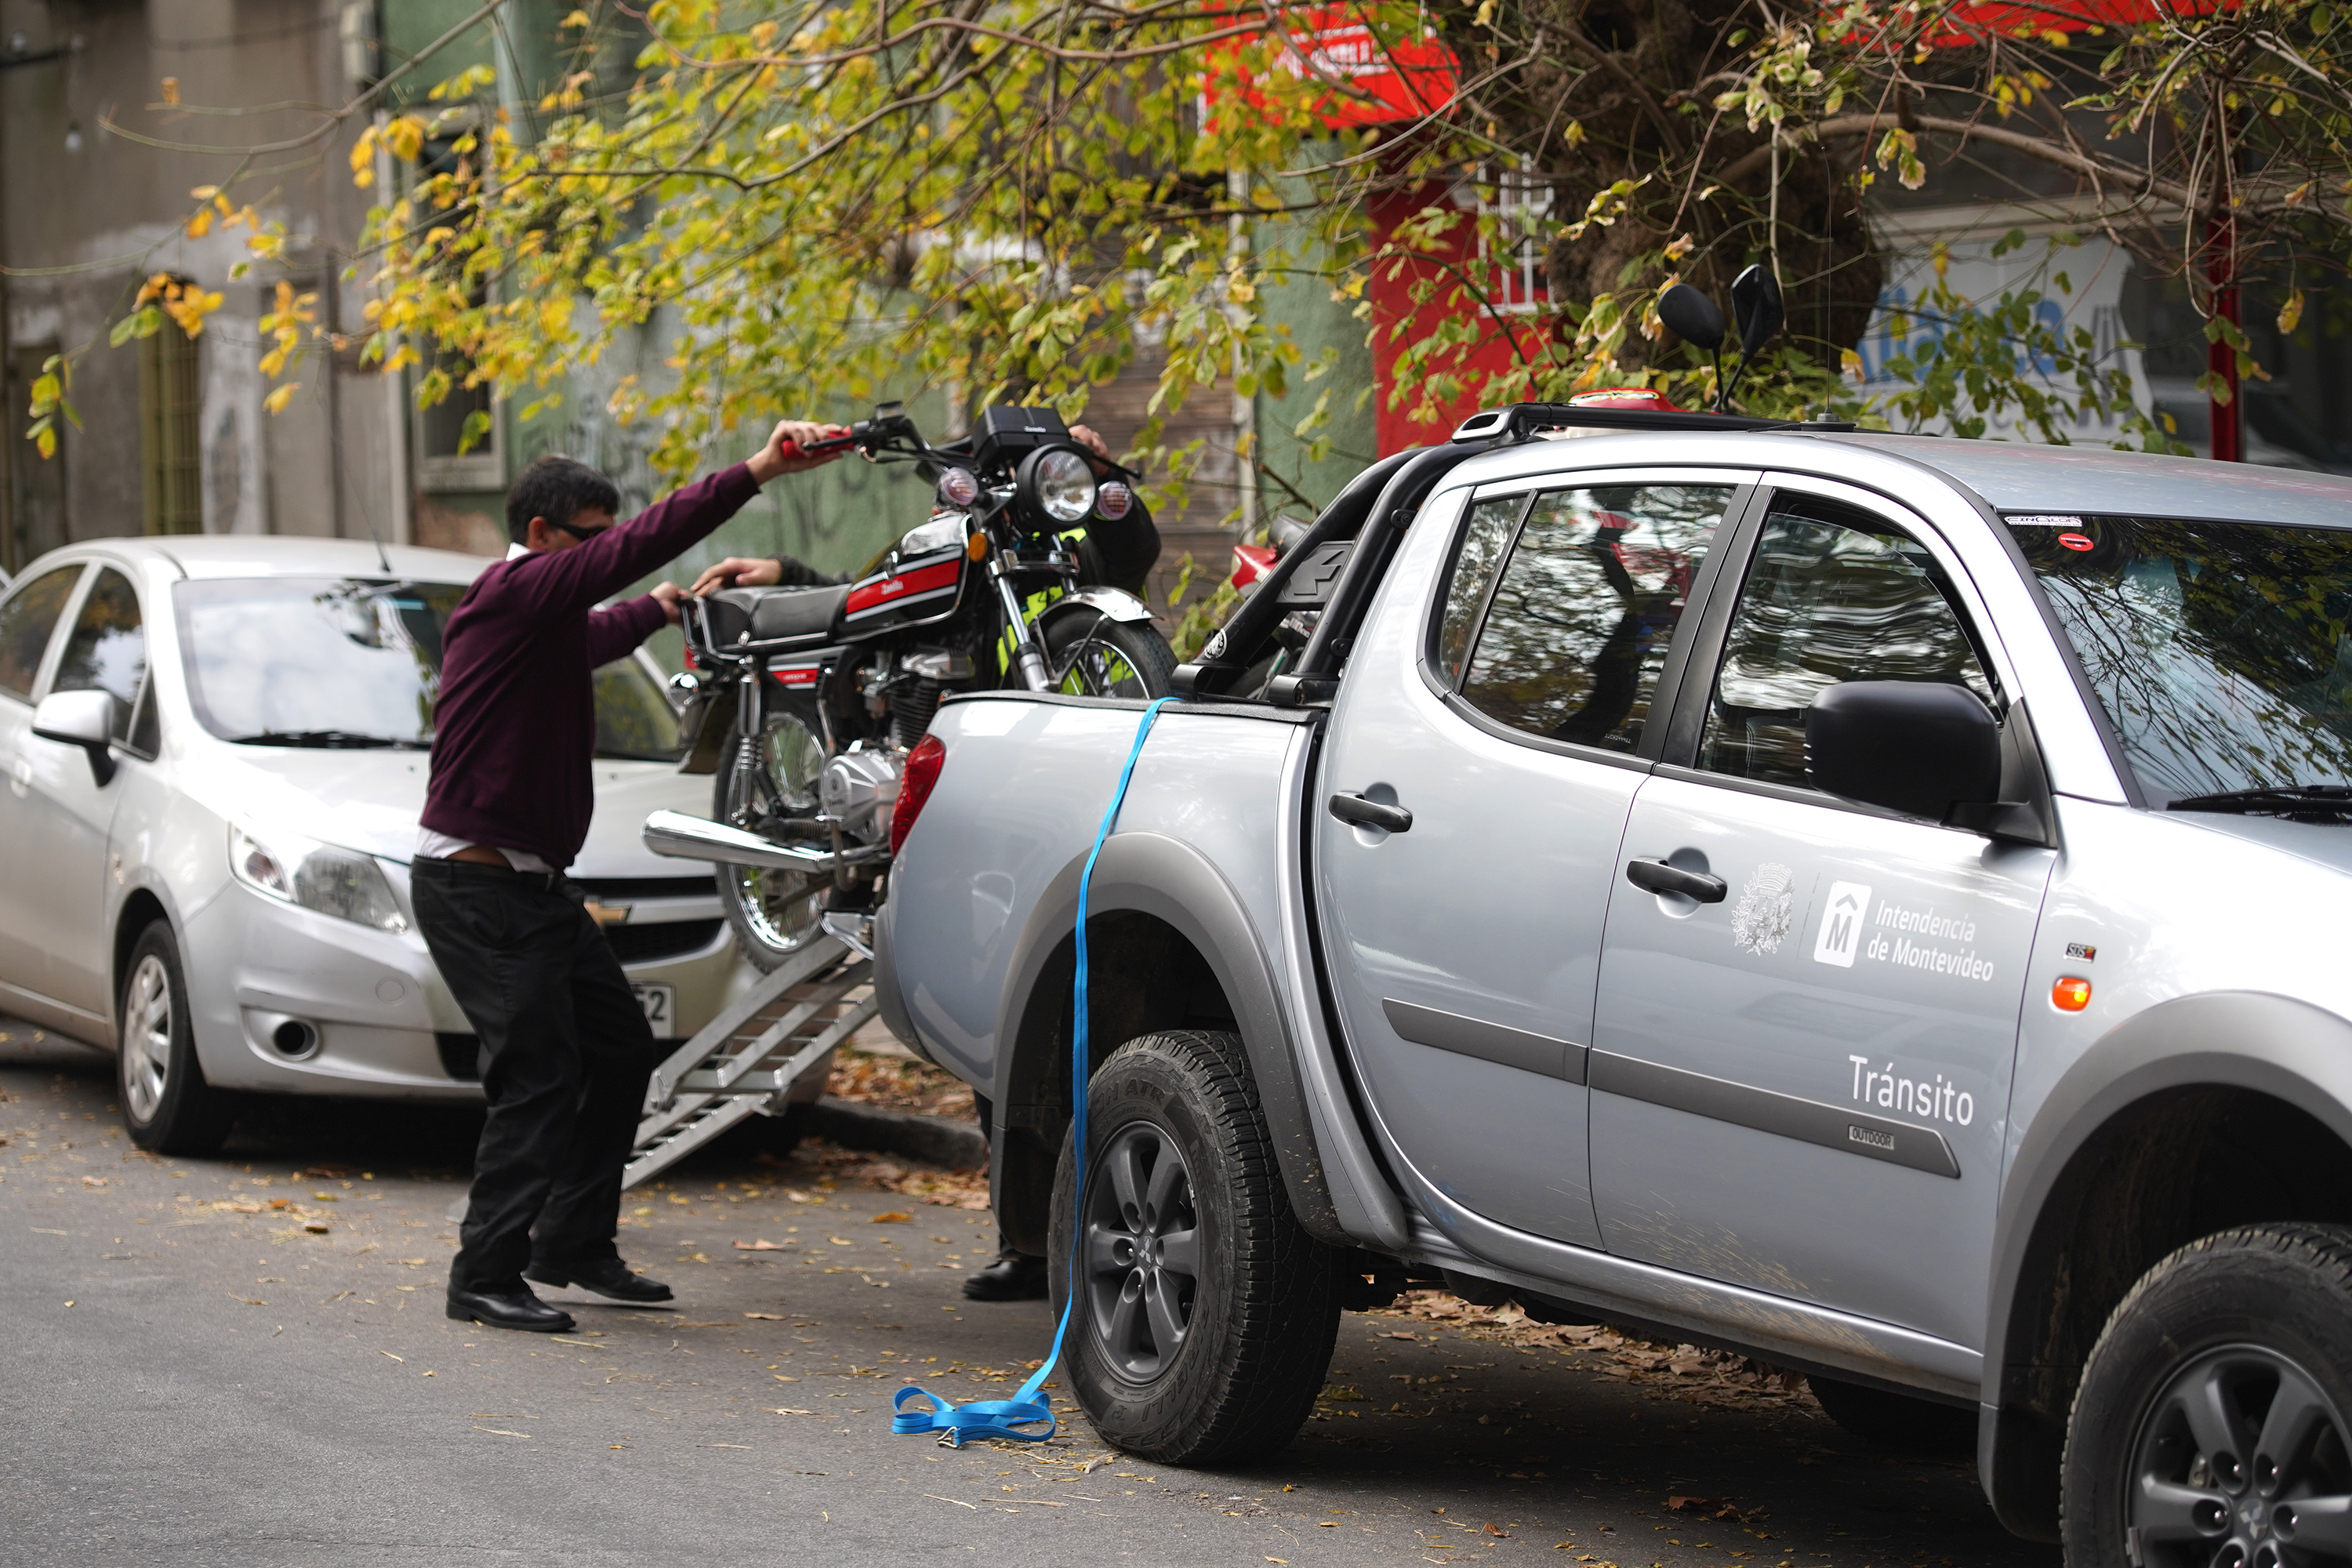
<point>215,754</point>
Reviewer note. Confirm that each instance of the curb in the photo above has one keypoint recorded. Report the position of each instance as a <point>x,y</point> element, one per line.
<point>934,1140</point>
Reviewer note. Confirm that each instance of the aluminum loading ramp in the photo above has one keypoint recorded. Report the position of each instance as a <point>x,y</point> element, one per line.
<point>745,1061</point>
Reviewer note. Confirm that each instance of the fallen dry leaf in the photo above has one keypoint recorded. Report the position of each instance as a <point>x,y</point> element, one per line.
<point>893,1217</point>
<point>768,1317</point>
<point>1493,1529</point>
<point>762,1246</point>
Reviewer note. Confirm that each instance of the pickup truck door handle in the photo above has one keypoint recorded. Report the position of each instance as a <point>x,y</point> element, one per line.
<point>1660,877</point>
<point>1354,808</point>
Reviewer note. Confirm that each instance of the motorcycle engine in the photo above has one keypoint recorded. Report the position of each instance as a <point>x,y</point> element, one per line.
<point>859,789</point>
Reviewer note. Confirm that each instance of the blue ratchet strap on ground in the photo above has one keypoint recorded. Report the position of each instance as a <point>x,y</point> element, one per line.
<point>1005,1417</point>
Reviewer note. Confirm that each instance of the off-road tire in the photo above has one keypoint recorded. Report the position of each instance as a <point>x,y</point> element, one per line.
<point>1086,653</point>
<point>2225,1323</point>
<point>1898,1421</point>
<point>167,1106</point>
<point>1262,1316</point>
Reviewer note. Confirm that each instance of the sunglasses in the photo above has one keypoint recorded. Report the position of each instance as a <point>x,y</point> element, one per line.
<point>576,531</point>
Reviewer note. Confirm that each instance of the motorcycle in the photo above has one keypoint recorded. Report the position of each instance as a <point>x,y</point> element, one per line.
<point>810,704</point>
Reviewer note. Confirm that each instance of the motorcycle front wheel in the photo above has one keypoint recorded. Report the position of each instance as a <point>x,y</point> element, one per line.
<point>773,793</point>
<point>1099,657</point>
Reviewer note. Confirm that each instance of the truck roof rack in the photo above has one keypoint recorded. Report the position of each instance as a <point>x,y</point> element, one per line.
<point>1522,421</point>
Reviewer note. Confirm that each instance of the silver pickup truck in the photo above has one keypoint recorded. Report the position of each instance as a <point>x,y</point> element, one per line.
<point>1878,904</point>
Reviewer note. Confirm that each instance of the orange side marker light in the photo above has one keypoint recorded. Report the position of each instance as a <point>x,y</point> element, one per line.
<point>2070,994</point>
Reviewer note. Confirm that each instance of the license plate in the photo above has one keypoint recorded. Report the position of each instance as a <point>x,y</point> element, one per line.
<point>660,1003</point>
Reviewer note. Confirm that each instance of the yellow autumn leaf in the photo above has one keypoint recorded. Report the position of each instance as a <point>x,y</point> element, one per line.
<point>276,401</point>
<point>170,90</point>
<point>201,224</point>
<point>2291,312</point>
<point>405,137</point>
<point>577,19</point>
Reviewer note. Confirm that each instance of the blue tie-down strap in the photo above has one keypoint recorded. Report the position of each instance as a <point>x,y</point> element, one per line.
<point>1028,1406</point>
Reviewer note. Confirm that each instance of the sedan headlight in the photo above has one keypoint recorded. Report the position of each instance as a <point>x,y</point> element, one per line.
<point>343,883</point>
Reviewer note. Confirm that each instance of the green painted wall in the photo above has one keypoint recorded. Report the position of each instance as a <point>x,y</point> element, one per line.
<point>1330,335</point>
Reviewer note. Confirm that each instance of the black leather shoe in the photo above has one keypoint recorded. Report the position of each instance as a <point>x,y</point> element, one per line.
<point>610,1278</point>
<point>502,1310</point>
<point>1011,1278</point>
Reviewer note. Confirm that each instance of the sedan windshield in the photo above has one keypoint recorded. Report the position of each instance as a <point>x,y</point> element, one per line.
<point>356,663</point>
<point>2221,651</point>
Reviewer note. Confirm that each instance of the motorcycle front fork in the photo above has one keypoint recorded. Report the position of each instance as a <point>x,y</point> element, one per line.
<point>1028,657</point>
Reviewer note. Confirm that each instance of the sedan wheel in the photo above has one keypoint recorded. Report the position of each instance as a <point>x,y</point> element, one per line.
<point>167,1106</point>
<point>146,1038</point>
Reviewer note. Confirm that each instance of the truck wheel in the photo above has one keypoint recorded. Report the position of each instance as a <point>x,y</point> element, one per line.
<point>1898,1421</point>
<point>166,1105</point>
<point>1206,1316</point>
<point>2211,1425</point>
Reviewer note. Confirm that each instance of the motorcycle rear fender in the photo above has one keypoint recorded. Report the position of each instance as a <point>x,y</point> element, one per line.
<point>1113,604</point>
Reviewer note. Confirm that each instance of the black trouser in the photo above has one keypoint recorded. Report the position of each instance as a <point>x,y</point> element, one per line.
<point>569,1053</point>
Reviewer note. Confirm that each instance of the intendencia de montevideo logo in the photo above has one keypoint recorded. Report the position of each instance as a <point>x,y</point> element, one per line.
<point>1898,935</point>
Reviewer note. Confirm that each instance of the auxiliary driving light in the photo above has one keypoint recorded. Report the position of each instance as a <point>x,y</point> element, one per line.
<point>958,488</point>
<point>1113,500</point>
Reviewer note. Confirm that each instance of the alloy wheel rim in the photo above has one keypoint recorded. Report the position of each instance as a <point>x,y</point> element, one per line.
<point>1142,1250</point>
<point>2241,1462</point>
<point>146,1038</point>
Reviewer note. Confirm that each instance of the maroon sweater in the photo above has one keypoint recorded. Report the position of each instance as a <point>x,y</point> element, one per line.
<point>515,724</point>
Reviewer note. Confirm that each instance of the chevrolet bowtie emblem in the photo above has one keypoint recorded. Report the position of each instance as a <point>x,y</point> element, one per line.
<point>607,914</point>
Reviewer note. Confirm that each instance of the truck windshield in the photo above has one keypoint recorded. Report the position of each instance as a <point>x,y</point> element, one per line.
<point>354,663</point>
<point>2221,651</point>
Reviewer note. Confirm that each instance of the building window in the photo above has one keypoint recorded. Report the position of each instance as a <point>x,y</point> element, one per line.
<point>459,443</point>
<point>1513,210</point>
<point>170,400</point>
<point>441,431</point>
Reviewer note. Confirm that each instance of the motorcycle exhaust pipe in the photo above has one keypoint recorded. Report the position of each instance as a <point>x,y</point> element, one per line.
<point>684,837</point>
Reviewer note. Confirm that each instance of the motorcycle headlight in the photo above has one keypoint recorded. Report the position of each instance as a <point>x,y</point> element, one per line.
<point>1059,481</point>
<point>343,883</point>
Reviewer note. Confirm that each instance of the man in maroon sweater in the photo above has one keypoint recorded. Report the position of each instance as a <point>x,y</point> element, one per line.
<point>506,810</point>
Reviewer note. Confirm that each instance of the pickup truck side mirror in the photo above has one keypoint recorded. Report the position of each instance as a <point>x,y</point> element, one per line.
<point>1922,748</point>
<point>84,718</point>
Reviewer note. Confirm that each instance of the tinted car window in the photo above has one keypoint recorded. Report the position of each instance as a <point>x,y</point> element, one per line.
<point>108,648</point>
<point>1584,611</point>
<point>1485,538</point>
<point>2221,651</point>
<point>1832,595</point>
<point>355,662</point>
<point>25,622</point>
<point>634,719</point>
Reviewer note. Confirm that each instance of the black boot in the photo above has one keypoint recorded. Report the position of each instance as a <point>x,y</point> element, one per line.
<point>1014,1277</point>
<point>608,1276</point>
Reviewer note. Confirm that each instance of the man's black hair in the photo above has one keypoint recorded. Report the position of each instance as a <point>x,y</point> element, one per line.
<point>559,490</point>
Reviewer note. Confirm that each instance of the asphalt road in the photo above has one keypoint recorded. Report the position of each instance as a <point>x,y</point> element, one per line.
<point>198,1375</point>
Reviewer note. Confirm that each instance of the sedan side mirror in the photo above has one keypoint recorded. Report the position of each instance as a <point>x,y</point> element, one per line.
<point>84,718</point>
<point>1922,748</point>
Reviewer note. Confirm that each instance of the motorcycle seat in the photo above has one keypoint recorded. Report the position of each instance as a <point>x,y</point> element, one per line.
<point>768,614</point>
